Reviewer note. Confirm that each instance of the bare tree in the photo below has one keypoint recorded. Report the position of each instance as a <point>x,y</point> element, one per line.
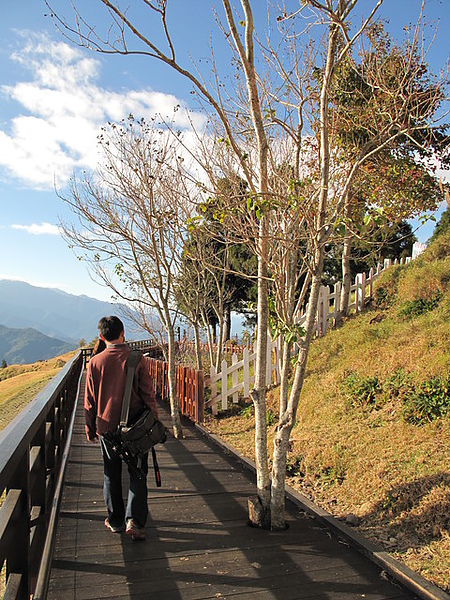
<point>202,291</point>
<point>132,214</point>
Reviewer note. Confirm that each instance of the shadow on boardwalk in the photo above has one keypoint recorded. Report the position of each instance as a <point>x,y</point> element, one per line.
<point>199,544</point>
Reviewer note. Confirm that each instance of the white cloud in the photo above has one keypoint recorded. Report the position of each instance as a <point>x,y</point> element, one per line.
<point>35,229</point>
<point>64,108</point>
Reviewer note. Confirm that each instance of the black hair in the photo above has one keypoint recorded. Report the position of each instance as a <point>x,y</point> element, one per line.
<point>110,328</point>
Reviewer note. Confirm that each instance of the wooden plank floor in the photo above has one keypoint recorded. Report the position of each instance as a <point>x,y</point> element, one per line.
<point>199,544</point>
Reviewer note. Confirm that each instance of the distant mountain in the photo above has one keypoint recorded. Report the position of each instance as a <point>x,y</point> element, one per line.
<point>55,313</point>
<point>23,346</point>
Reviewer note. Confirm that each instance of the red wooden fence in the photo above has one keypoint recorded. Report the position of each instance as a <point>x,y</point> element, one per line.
<point>189,386</point>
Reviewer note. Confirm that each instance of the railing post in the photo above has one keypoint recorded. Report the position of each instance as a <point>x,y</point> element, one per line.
<point>19,560</point>
<point>325,295</point>
<point>360,291</point>
<point>224,385</point>
<point>371,279</point>
<point>235,377</point>
<point>337,301</point>
<point>50,448</point>
<point>246,359</point>
<point>40,509</point>
<point>200,396</point>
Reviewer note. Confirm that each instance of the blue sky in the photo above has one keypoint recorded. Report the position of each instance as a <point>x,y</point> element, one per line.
<point>54,97</point>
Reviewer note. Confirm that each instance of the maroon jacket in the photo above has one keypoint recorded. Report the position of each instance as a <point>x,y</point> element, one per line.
<point>105,384</point>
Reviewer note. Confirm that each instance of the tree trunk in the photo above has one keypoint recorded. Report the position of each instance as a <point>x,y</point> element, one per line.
<point>258,394</point>
<point>175,414</point>
<point>245,50</point>
<point>209,337</point>
<point>287,420</point>
<point>219,341</point>
<point>227,323</point>
<point>198,353</point>
<point>346,272</point>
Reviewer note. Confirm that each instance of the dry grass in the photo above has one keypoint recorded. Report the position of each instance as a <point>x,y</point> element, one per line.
<point>20,383</point>
<point>367,461</point>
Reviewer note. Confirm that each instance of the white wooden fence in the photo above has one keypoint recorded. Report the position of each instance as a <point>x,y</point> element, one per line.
<point>235,379</point>
<point>360,292</point>
<point>238,377</point>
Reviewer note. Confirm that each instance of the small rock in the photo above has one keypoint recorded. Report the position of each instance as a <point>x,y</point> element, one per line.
<point>352,520</point>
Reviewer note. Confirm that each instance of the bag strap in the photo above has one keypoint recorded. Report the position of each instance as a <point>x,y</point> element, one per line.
<point>132,362</point>
<point>156,468</point>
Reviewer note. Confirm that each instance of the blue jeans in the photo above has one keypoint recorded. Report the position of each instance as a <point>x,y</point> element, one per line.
<point>137,506</point>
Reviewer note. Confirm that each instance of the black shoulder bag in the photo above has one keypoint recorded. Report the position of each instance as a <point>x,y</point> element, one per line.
<point>140,437</point>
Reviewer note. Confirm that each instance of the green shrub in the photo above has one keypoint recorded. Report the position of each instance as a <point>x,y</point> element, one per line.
<point>247,411</point>
<point>422,401</point>
<point>427,401</point>
<point>381,298</point>
<point>361,391</point>
<point>295,466</point>
<point>396,384</point>
<point>271,418</point>
<point>420,306</point>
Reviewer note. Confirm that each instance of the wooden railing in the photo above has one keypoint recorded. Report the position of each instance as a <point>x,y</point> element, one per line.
<point>147,346</point>
<point>227,348</point>
<point>33,452</point>
<point>189,388</point>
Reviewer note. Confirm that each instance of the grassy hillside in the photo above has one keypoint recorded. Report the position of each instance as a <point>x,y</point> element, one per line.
<point>20,383</point>
<point>371,443</point>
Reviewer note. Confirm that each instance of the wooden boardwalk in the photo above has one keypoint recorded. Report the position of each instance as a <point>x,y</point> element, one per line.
<point>199,544</point>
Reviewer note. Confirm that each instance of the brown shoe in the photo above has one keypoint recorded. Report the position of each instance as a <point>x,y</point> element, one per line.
<point>134,531</point>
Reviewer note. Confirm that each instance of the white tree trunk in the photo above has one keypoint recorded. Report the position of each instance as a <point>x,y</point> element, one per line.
<point>174,412</point>
<point>258,394</point>
<point>287,420</point>
<point>198,352</point>
<point>346,272</point>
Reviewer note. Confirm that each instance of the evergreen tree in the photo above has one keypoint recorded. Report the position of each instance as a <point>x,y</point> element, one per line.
<point>442,226</point>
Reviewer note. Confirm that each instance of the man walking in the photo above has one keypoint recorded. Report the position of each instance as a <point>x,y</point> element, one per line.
<point>105,385</point>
